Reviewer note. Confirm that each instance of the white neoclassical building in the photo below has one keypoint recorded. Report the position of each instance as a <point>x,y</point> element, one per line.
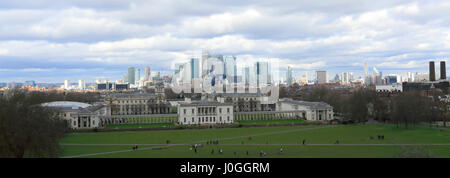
<point>79,115</point>
<point>311,110</point>
<point>204,112</point>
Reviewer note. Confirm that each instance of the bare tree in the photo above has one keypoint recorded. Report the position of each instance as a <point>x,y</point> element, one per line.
<point>27,129</point>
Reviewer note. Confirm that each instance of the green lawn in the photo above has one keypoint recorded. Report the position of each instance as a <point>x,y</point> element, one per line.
<point>123,126</point>
<point>284,121</point>
<point>268,139</point>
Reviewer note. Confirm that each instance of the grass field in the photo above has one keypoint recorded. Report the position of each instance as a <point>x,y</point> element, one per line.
<point>284,121</point>
<point>123,126</point>
<point>354,141</point>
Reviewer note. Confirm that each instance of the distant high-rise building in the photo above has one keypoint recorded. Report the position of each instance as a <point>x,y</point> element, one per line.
<point>131,75</point>
<point>195,68</point>
<point>137,75</point>
<point>147,73</point>
<point>366,70</point>
<point>30,83</point>
<point>81,84</point>
<point>155,75</point>
<point>289,76</point>
<point>336,78</point>
<point>262,73</point>
<point>391,79</point>
<point>443,71</point>
<point>432,74</point>
<point>321,77</point>
<point>230,68</point>
<point>66,84</point>
<point>205,67</point>
<point>246,75</point>
<point>345,78</point>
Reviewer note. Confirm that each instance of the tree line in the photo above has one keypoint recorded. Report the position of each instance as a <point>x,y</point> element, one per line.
<point>358,105</point>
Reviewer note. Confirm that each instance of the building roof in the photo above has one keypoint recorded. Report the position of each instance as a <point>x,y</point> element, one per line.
<point>132,95</point>
<point>66,104</point>
<point>203,103</point>
<point>307,103</point>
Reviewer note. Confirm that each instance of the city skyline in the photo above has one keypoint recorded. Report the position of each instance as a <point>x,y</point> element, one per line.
<point>91,40</point>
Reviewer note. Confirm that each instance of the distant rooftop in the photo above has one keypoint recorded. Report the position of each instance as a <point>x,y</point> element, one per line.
<point>66,104</point>
<point>306,103</point>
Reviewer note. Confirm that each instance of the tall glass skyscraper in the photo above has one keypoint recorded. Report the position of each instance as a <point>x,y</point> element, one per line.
<point>230,70</point>
<point>137,76</point>
<point>147,73</point>
<point>262,73</point>
<point>195,68</point>
<point>131,73</point>
<point>289,76</point>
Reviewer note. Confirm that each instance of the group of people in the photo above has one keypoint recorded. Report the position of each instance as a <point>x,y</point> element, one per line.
<point>262,153</point>
<point>380,137</point>
<point>135,147</point>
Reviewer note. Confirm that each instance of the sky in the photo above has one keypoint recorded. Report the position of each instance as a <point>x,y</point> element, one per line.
<point>53,41</point>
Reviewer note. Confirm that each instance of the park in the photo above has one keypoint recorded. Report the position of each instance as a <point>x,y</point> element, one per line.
<point>297,141</point>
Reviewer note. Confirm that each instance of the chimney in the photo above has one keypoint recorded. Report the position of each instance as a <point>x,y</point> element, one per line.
<point>432,72</point>
<point>443,71</point>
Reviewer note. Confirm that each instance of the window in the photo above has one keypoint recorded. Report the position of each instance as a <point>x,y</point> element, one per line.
<point>228,118</point>
<point>220,110</point>
<point>192,119</point>
<point>228,110</point>
<point>193,111</point>
<point>184,110</point>
<point>220,118</point>
<point>184,119</point>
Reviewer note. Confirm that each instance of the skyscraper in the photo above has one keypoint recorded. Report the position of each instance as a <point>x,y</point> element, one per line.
<point>195,68</point>
<point>137,76</point>
<point>230,68</point>
<point>205,57</point>
<point>147,73</point>
<point>366,70</point>
<point>321,77</point>
<point>131,73</point>
<point>155,75</point>
<point>345,78</point>
<point>246,75</point>
<point>66,84</point>
<point>432,71</point>
<point>81,84</point>
<point>262,73</point>
<point>289,76</point>
<point>443,71</point>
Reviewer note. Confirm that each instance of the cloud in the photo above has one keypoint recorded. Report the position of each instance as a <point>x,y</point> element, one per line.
<point>45,37</point>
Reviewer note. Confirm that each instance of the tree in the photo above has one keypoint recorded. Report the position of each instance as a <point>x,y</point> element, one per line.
<point>357,107</point>
<point>411,108</point>
<point>27,129</point>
